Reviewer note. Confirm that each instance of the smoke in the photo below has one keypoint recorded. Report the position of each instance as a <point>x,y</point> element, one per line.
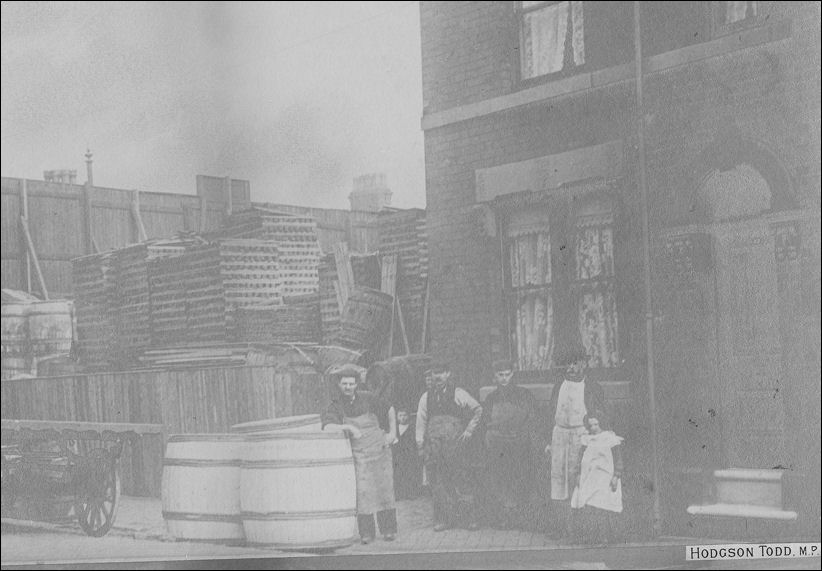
<point>163,91</point>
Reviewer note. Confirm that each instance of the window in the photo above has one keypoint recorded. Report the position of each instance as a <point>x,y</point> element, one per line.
<point>593,283</point>
<point>732,16</point>
<point>530,295</point>
<point>551,37</point>
<point>739,11</point>
<point>554,293</point>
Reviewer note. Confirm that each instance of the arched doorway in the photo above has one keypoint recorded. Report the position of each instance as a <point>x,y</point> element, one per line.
<point>727,352</point>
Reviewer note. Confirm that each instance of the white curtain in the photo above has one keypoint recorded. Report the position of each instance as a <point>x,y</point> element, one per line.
<point>736,11</point>
<point>530,265</point>
<point>597,308</point>
<point>534,330</point>
<point>543,33</point>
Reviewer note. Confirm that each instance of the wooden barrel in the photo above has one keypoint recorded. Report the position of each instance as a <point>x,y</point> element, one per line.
<point>366,320</point>
<point>298,490</point>
<point>400,380</point>
<point>201,487</point>
<point>50,327</point>
<point>14,339</point>
<point>302,423</point>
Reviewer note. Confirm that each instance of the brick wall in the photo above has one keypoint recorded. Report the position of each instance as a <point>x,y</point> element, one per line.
<point>768,93</point>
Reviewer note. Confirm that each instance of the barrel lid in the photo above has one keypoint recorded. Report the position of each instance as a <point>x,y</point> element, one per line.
<point>273,424</point>
<point>205,438</point>
<point>278,435</point>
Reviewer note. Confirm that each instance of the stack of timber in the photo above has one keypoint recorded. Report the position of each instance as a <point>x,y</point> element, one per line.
<point>196,355</point>
<point>251,272</point>
<point>297,320</point>
<point>296,238</point>
<point>187,300</point>
<point>329,298</point>
<point>95,309</point>
<point>194,297</point>
<point>403,233</point>
<point>132,294</point>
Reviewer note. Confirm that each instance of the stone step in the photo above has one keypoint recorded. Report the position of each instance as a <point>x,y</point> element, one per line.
<point>762,488</point>
<point>742,511</point>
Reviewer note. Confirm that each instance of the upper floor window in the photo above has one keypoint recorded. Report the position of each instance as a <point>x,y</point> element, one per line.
<point>739,11</point>
<point>552,37</point>
<point>732,16</point>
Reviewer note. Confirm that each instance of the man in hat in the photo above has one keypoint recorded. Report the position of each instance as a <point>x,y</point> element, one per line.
<point>447,417</point>
<point>370,423</point>
<point>570,402</point>
<point>508,416</point>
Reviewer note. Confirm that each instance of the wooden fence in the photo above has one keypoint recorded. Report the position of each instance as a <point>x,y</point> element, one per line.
<point>183,401</point>
<point>67,221</point>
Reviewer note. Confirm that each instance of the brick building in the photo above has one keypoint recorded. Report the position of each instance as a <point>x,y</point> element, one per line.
<point>534,201</point>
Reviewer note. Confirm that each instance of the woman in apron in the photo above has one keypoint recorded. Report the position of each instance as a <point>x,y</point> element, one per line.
<point>370,424</point>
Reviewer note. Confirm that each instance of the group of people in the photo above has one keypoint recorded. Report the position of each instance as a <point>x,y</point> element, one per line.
<point>478,461</point>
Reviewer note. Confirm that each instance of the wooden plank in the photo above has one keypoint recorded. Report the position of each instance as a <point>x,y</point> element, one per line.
<point>424,335</point>
<point>140,229</point>
<point>139,428</point>
<point>345,274</point>
<point>24,212</point>
<point>24,225</point>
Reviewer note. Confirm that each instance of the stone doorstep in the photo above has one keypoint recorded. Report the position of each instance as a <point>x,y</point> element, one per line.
<point>742,511</point>
<point>760,489</point>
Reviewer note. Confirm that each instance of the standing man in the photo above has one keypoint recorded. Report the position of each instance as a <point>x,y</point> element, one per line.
<point>447,417</point>
<point>508,415</point>
<point>370,424</point>
<point>570,402</point>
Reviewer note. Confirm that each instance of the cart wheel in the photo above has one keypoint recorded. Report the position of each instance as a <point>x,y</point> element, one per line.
<point>96,508</point>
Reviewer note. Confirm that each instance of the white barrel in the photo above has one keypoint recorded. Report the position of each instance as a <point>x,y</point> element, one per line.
<point>14,340</point>
<point>50,327</point>
<point>298,490</point>
<point>201,487</point>
<point>302,423</point>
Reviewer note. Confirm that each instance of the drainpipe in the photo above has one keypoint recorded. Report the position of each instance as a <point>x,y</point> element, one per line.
<point>646,251</point>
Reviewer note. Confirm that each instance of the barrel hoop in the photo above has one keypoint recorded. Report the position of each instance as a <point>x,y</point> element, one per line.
<point>201,463</point>
<point>277,424</point>
<point>205,438</point>
<point>328,544</point>
<point>268,464</point>
<point>285,516</point>
<point>189,516</point>
<point>262,436</point>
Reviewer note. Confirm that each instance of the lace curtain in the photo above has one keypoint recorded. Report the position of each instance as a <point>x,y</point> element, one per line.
<point>595,293</point>
<point>738,11</point>
<point>544,32</point>
<point>530,267</point>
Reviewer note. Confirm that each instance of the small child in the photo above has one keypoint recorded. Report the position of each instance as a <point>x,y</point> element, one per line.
<point>407,463</point>
<point>598,496</point>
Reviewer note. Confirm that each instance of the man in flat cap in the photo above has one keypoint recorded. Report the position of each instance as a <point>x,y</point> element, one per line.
<point>370,423</point>
<point>447,417</point>
<point>509,414</point>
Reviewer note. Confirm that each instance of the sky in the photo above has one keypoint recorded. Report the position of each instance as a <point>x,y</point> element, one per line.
<point>296,97</point>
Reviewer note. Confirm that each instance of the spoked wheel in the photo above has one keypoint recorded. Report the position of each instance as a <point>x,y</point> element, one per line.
<point>96,505</point>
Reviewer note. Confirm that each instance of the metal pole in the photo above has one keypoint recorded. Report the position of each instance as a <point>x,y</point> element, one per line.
<point>646,251</point>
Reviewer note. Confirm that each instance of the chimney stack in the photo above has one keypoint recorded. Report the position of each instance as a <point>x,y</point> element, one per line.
<point>370,193</point>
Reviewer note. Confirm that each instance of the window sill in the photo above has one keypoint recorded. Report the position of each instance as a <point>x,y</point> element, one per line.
<point>723,45</point>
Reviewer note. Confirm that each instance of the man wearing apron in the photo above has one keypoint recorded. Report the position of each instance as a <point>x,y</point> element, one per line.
<point>508,416</point>
<point>370,424</point>
<point>570,402</point>
<point>444,440</point>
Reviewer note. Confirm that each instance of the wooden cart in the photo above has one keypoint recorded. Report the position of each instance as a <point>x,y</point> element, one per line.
<point>67,470</point>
